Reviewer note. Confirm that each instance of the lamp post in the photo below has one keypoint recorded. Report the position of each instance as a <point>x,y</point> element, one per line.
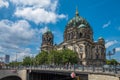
<point>111,53</point>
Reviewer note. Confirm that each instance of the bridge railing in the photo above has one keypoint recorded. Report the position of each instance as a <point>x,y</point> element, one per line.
<point>98,69</point>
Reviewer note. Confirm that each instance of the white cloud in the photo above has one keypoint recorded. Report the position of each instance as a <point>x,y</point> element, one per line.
<point>117,49</point>
<point>1,49</point>
<point>16,35</point>
<point>20,55</point>
<point>110,43</point>
<point>38,11</point>
<point>107,24</point>
<point>38,48</point>
<point>38,3</point>
<point>38,15</point>
<point>4,3</point>
<point>43,30</point>
<point>14,32</point>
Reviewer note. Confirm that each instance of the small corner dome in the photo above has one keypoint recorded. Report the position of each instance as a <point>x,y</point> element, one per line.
<point>48,32</point>
<point>100,38</point>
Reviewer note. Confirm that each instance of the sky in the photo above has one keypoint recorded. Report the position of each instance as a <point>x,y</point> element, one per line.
<point>22,22</point>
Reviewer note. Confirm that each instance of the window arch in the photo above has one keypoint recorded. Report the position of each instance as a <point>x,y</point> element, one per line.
<point>88,36</point>
<point>79,35</point>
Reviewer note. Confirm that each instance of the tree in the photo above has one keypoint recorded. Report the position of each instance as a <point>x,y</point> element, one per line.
<point>27,61</point>
<point>55,57</point>
<point>108,62</point>
<point>14,64</point>
<point>41,58</point>
<point>69,56</point>
<point>111,62</point>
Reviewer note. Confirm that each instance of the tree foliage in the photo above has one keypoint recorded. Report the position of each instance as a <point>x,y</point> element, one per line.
<point>111,62</point>
<point>14,64</point>
<point>55,57</point>
<point>27,61</point>
<point>65,56</point>
<point>69,56</point>
<point>41,58</point>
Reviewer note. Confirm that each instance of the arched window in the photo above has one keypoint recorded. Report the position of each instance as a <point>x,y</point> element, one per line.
<point>88,36</point>
<point>81,49</point>
<point>79,35</point>
<point>97,56</point>
<point>64,47</point>
<point>71,35</point>
<point>68,36</point>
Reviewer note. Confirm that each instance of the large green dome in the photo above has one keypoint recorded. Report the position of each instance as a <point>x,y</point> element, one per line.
<point>78,21</point>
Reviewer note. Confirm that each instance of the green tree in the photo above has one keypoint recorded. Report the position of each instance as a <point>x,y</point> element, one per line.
<point>55,57</point>
<point>111,62</point>
<point>69,56</point>
<point>108,62</point>
<point>14,64</point>
<point>114,62</point>
<point>27,61</point>
<point>41,58</point>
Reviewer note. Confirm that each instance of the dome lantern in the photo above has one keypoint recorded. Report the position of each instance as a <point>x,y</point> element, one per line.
<point>77,13</point>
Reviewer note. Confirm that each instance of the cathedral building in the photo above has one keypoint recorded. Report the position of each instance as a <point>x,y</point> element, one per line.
<point>78,36</point>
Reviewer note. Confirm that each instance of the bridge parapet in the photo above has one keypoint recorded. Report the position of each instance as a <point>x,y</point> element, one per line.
<point>88,69</point>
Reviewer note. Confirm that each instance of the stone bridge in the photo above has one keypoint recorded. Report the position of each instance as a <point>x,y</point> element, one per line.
<point>56,74</point>
<point>12,74</point>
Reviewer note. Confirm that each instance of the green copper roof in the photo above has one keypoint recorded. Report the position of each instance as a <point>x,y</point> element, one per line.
<point>100,38</point>
<point>81,26</point>
<point>48,31</point>
<point>78,21</point>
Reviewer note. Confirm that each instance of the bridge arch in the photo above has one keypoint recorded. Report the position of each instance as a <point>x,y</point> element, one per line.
<point>11,78</point>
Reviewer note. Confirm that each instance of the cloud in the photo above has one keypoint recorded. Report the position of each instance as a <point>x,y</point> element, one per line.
<point>38,15</point>
<point>1,49</point>
<point>16,35</point>
<point>38,3</point>
<point>107,24</point>
<point>110,43</point>
<point>43,30</point>
<point>20,55</point>
<point>14,32</point>
<point>38,11</point>
<point>4,3</point>
<point>38,48</point>
<point>117,49</point>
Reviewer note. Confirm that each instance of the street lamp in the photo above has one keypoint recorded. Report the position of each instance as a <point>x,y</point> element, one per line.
<point>111,53</point>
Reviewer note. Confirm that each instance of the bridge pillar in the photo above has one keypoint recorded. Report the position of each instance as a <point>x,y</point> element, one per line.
<point>22,74</point>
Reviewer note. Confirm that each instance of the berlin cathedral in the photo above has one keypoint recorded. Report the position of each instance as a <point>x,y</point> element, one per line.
<point>78,36</point>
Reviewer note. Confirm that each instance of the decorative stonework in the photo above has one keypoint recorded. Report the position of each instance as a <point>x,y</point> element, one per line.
<point>47,41</point>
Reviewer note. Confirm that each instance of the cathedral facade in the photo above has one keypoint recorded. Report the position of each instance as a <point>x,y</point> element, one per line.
<point>78,36</point>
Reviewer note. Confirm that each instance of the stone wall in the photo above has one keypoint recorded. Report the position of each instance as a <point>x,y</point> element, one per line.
<point>22,74</point>
<point>103,77</point>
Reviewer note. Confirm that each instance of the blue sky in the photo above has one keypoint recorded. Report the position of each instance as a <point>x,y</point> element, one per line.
<point>22,22</point>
